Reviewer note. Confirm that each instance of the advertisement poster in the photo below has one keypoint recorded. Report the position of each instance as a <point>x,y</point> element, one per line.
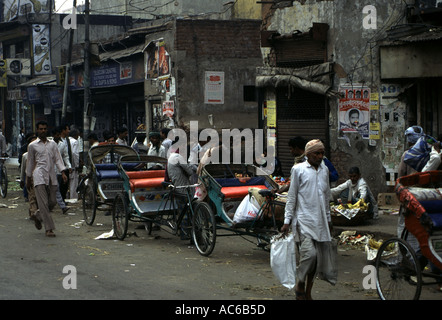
<point>271,114</point>
<point>158,61</point>
<point>214,87</point>
<point>41,48</point>
<point>375,125</point>
<point>354,110</point>
<point>168,108</point>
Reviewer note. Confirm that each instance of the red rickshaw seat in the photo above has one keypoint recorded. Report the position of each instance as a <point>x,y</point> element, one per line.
<point>238,192</point>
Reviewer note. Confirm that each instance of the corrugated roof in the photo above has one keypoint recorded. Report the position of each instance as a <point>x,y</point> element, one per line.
<point>45,80</point>
<point>413,33</point>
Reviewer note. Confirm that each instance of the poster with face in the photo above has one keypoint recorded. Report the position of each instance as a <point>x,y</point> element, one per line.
<point>354,110</point>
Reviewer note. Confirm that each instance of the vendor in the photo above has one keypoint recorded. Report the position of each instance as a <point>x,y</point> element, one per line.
<point>354,189</point>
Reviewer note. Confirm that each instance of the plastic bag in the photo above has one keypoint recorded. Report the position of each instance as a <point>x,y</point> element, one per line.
<point>419,154</point>
<point>247,210</point>
<point>283,259</point>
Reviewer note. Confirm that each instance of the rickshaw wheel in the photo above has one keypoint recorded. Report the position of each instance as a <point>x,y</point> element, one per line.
<point>120,216</point>
<point>204,228</point>
<point>398,271</point>
<point>89,204</point>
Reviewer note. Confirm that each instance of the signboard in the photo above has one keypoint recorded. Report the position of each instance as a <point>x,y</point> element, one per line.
<point>109,74</point>
<point>3,75</point>
<point>271,114</point>
<point>214,87</point>
<point>41,49</point>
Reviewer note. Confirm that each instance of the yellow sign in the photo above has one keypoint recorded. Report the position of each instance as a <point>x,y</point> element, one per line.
<point>3,76</point>
<point>271,113</point>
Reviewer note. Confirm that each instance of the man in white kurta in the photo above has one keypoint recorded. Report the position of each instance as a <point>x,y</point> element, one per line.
<point>43,156</point>
<point>308,212</point>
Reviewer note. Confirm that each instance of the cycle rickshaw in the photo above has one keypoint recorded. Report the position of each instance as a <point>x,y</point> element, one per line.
<point>400,261</point>
<point>227,185</point>
<point>145,197</point>
<point>102,182</point>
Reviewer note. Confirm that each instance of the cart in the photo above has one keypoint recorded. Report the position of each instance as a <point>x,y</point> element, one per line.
<point>400,262</point>
<point>102,182</point>
<point>227,185</point>
<point>147,198</point>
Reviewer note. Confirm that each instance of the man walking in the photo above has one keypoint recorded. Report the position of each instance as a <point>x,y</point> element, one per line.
<point>308,212</point>
<point>43,156</point>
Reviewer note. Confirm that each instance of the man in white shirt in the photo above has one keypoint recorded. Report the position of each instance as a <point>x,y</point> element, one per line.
<point>122,136</point>
<point>43,156</point>
<point>308,212</point>
<point>65,156</point>
<point>73,176</point>
<point>156,150</point>
<point>354,189</point>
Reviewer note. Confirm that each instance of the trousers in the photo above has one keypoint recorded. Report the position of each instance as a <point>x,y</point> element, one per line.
<point>46,201</point>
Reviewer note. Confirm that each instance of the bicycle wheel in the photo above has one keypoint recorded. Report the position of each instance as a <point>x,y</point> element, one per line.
<point>4,182</point>
<point>398,272</point>
<point>120,216</point>
<point>89,204</point>
<point>204,229</point>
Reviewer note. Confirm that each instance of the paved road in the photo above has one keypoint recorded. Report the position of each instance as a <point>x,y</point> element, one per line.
<point>156,267</point>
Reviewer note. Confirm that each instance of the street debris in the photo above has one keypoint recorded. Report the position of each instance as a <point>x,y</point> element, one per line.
<point>106,235</point>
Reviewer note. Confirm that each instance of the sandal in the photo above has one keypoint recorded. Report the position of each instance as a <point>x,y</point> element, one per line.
<point>49,233</point>
<point>300,295</point>
<point>36,222</point>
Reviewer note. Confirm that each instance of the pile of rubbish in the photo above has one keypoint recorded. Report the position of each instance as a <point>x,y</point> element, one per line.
<point>359,241</point>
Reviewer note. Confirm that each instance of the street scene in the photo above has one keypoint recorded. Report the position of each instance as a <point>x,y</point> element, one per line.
<point>34,265</point>
<point>221,150</point>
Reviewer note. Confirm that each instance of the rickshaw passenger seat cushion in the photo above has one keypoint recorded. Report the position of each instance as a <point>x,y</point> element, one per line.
<point>238,192</point>
<point>146,174</point>
<point>105,166</point>
<point>437,220</point>
<point>235,182</point>
<point>108,174</point>
<point>146,183</point>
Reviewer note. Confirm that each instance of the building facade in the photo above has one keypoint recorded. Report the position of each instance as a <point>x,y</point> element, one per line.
<point>326,62</point>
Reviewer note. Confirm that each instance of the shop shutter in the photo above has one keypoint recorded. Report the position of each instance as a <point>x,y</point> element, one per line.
<point>299,112</point>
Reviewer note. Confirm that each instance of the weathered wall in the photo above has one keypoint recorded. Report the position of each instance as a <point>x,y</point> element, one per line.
<point>207,45</point>
<point>354,48</point>
<point>156,8</point>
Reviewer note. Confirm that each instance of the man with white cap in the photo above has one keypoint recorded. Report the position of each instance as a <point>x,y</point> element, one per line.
<point>308,212</point>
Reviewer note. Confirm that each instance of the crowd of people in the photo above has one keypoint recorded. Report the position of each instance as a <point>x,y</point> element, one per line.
<point>50,170</point>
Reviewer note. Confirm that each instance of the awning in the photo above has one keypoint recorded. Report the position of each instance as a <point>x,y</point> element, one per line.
<point>114,55</point>
<point>315,78</point>
<point>45,80</point>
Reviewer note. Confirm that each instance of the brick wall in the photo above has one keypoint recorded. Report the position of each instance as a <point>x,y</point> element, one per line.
<point>220,39</point>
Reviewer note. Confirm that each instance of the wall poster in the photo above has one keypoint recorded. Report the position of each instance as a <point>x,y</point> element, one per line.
<point>354,109</point>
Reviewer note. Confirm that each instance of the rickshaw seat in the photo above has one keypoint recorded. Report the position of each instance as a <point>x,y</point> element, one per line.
<point>238,192</point>
<point>437,220</point>
<point>146,174</point>
<point>146,183</point>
